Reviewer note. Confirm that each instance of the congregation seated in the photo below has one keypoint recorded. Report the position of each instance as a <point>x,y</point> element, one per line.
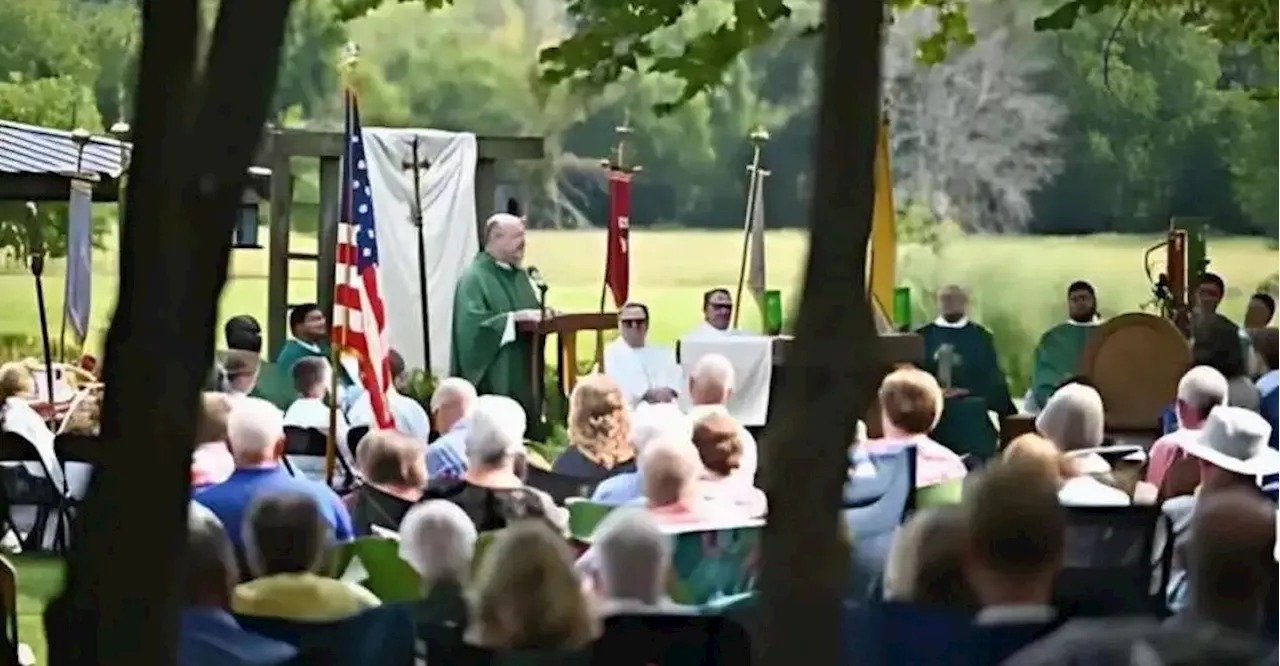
<point>409,416</point>
<point>255,434</point>
<point>491,491</point>
<point>211,461</point>
<point>241,370</point>
<point>670,469</point>
<point>527,595</point>
<point>910,405</point>
<point>926,562</point>
<point>285,542</point>
<point>1266,344</point>
<point>208,634</point>
<point>1200,390</point>
<point>715,436</point>
<point>648,422</point>
<point>1216,342</point>
<point>632,565</point>
<point>1073,419</point>
<point>395,476</point>
<point>711,382</point>
<point>599,431</point>
<point>312,378</point>
<point>452,403</point>
<point>438,540</point>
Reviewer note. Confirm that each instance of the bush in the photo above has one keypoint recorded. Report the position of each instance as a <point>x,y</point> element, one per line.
<point>19,346</point>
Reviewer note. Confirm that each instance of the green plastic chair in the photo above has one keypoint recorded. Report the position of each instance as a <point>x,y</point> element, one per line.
<point>708,564</point>
<point>483,541</point>
<point>274,385</point>
<point>389,578</point>
<point>940,494</point>
<point>584,517</point>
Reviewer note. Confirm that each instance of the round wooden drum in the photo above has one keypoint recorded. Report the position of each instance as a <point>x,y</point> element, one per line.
<point>1135,361</point>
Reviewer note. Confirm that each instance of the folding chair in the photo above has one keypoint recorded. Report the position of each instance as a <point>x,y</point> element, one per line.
<point>308,445</point>
<point>1108,565</point>
<point>874,506</point>
<point>20,488</point>
<point>559,486</point>
<point>78,454</point>
<point>585,516</point>
<point>643,639</point>
<point>354,435</point>
<point>382,635</point>
<point>388,577</point>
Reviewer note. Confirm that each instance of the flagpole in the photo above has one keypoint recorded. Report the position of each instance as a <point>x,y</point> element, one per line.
<point>616,164</point>
<point>350,59</point>
<point>758,136</point>
<point>420,223</point>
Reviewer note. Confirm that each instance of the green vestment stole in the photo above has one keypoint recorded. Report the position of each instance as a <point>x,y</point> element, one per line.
<point>1057,357</point>
<point>486,293</point>
<point>965,426</point>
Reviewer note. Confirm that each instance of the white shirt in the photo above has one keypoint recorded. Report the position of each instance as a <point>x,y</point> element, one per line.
<point>639,369</point>
<point>1088,491</point>
<point>706,330</point>
<point>411,419</point>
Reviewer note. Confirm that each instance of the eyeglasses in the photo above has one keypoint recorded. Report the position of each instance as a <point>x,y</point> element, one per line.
<point>721,306</point>
<point>633,323</point>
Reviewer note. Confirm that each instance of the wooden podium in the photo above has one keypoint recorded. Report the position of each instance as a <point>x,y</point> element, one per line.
<point>565,328</point>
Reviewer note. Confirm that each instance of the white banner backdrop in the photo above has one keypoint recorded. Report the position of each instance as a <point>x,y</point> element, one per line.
<point>449,232</point>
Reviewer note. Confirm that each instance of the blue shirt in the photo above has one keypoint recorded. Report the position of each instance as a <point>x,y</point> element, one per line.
<point>230,499</point>
<point>1268,387</point>
<point>620,489</point>
<point>447,456</point>
<point>212,637</point>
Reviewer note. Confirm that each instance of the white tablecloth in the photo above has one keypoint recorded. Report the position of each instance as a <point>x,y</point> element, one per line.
<point>752,360</point>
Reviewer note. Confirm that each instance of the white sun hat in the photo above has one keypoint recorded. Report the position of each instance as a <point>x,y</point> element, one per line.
<point>1236,440</point>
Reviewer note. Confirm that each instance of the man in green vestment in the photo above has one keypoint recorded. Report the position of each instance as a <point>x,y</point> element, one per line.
<point>1057,355</point>
<point>962,355</point>
<point>494,294</point>
<point>310,329</point>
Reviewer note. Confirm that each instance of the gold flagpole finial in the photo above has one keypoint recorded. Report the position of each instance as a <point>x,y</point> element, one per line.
<point>347,64</point>
<point>759,135</point>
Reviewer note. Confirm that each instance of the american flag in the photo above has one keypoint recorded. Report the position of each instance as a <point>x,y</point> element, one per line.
<point>359,315</point>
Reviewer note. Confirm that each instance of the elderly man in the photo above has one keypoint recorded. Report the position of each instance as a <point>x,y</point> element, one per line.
<point>644,372</point>
<point>632,565</point>
<point>285,543</point>
<point>438,540</point>
<point>451,406</point>
<point>649,422</point>
<point>255,433</point>
<point>711,382</point>
<point>494,293</point>
<point>1200,390</point>
<point>208,634</point>
<point>409,416</point>
<point>669,469</point>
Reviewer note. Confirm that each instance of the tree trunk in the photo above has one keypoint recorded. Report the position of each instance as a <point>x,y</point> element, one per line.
<point>194,142</point>
<point>832,367</point>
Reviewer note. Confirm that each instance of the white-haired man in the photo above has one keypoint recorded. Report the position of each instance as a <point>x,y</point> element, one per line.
<point>632,563</point>
<point>711,383</point>
<point>1200,390</point>
<point>409,416</point>
<point>648,422</point>
<point>451,405</point>
<point>495,293</point>
<point>255,432</point>
<point>438,540</point>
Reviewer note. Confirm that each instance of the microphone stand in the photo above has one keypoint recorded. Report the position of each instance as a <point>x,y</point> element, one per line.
<point>37,271</point>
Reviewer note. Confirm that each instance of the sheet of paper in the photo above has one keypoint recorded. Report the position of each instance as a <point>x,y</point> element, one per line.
<point>355,573</point>
<point>384,533</point>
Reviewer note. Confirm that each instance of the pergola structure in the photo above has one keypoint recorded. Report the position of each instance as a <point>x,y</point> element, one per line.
<point>39,163</point>
<point>278,149</point>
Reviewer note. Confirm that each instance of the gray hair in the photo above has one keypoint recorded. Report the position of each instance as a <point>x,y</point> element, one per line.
<point>714,369</point>
<point>438,540</point>
<point>668,467</point>
<point>454,388</point>
<point>1073,418</point>
<point>652,420</point>
<point>284,532</point>
<point>497,431</point>
<point>925,560</point>
<point>254,426</point>
<point>632,555</point>
<point>1202,388</point>
<point>211,569</point>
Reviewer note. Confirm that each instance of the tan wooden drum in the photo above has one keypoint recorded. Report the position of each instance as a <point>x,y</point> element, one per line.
<point>1135,361</point>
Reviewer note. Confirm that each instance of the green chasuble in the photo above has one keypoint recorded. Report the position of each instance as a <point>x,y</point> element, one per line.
<point>295,350</point>
<point>1057,357</point>
<point>965,426</point>
<point>486,293</point>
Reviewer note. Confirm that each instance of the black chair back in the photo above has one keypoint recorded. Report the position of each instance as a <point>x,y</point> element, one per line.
<point>354,435</point>
<point>313,443</point>
<point>640,640</point>
<point>559,486</point>
<point>81,448</point>
<point>1109,562</point>
<point>19,487</point>
<point>383,635</point>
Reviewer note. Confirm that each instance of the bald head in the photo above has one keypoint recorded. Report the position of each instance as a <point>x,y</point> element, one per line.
<point>711,380</point>
<point>504,238</point>
<point>1231,556</point>
<point>452,401</point>
<point>255,431</point>
<point>1199,391</point>
<point>668,467</point>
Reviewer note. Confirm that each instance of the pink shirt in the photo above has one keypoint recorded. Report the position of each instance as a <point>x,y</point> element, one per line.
<point>935,463</point>
<point>211,463</point>
<point>1166,451</point>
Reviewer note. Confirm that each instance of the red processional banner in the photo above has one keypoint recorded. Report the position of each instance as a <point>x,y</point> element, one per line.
<point>617,270</point>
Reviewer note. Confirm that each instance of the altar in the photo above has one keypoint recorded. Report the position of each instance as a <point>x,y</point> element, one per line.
<point>759,364</point>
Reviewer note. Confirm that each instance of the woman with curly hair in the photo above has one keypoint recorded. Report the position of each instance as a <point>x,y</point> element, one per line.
<point>599,428</point>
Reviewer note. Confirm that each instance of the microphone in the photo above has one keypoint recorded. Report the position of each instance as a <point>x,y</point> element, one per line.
<point>535,276</point>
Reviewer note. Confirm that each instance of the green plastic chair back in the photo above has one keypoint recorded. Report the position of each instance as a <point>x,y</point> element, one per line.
<point>388,577</point>
<point>483,541</point>
<point>941,494</point>
<point>274,385</point>
<point>584,517</point>
<point>709,564</point>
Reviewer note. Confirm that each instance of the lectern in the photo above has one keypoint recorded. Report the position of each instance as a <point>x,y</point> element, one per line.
<point>565,328</point>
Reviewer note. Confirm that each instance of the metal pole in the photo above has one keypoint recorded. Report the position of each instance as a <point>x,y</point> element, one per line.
<point>758,137</point>
<point>420,223</point>
<point>36,248</point>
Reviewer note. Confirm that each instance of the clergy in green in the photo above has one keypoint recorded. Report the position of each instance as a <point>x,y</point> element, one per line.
<point>493,295</point>
<point>1057,355</point>
<point>962,356</point>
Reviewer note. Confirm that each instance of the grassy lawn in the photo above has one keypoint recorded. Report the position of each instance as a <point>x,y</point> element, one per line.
<point>39,579</point>
<point>1016,280</point>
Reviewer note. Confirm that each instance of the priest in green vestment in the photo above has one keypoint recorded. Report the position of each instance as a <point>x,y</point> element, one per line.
<point>1057,355</point>
<point>310,329</point>
<point>494,294</point>
<point>962,356</point>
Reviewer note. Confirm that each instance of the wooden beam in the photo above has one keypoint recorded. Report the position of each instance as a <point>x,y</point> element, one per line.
<point>313,143</point>
<point>50,187</point>
<point>278,260</point>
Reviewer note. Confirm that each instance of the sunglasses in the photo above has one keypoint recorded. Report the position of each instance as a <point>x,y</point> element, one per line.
<point>721,306</point>
<point>636,323</point>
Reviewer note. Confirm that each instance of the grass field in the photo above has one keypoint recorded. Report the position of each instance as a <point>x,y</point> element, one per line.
<point>1017,282</point>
